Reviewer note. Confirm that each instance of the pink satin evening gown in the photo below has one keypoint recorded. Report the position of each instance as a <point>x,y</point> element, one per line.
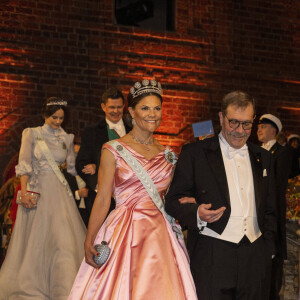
<point>146,261</point>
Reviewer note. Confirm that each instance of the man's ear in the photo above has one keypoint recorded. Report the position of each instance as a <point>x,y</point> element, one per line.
<point>221,116</point>
<point>103,106</point>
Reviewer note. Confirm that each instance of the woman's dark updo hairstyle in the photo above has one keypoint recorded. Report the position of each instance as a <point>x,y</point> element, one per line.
<point>49,110</point>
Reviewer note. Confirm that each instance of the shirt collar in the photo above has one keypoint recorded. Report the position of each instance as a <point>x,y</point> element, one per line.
<point>269,144</point>
<point>112,125</point>
<point>229,151</point>
<point>49,130</point>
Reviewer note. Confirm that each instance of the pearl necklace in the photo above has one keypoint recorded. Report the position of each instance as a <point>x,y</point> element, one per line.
<point>141,142</point>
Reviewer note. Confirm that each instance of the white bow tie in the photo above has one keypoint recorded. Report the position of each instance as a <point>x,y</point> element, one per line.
<point>232,151</point>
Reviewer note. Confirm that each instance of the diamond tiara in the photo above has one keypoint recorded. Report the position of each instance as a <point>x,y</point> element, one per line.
<point>145,86</point>
<point>61,102</point>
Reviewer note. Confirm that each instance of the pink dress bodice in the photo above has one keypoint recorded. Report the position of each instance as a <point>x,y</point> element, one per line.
<point>128,189</point>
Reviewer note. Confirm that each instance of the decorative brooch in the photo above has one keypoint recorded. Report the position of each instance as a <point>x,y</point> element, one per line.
<point>120,148</point>
<point>170,156</point>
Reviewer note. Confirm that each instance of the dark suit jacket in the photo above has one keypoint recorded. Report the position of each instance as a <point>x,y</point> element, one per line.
<point>74,187</point>
<point>200,173</point>
<point>282,157</point>
<point>92,141</point>
<point>295,168</point>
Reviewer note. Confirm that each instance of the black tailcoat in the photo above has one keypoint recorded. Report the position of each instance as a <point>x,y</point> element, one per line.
<point>282,157</point>
<point>74,187</point>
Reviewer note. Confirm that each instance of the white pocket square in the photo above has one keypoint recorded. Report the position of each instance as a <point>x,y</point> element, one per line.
<point>265,173</point>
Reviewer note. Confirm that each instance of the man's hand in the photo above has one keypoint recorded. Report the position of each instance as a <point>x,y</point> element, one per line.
<point>89,169</point>
<point>83,192</point>
<point>210,216</point>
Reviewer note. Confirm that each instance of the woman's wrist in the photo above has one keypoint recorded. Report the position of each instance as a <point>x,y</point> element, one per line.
<point>23,194</point>
<point>89,240</point>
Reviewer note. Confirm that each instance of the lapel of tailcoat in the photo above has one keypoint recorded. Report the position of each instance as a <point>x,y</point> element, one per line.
<point>257,173</point>
<point>215,160</point>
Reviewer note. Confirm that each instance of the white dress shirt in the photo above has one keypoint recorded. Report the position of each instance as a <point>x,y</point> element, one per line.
<point>118,127</point>
<point>243,218</point>
<point>268,145</point>
<point>80,184</point>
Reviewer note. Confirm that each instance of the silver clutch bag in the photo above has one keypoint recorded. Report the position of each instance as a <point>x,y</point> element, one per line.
<point>104,251</point>
<point>33,195</point>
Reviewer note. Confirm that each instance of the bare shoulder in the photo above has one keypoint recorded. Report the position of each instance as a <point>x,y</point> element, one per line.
<point>107,157</point>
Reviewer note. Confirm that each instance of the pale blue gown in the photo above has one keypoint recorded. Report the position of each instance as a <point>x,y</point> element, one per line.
<point>47,243</point>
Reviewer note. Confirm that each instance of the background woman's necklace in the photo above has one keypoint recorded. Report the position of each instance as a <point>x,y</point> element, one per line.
<point>141,142</point>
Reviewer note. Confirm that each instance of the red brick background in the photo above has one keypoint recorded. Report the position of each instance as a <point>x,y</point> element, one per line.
<point>74,49</point>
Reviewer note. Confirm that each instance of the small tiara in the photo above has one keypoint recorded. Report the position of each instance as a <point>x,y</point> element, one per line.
<point>145,86</point>
<point>60,102</point>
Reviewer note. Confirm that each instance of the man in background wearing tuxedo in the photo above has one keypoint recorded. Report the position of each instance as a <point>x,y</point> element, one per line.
<point>109,128</point>
<point>231,226</point>
<point>269,126</point>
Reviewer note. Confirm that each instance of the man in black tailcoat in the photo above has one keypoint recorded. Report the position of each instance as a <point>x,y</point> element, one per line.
<point>293,146</point>
<point>232,224</point>
<point>269,126</point>
<point>80,192</point>
<point>93,138</point>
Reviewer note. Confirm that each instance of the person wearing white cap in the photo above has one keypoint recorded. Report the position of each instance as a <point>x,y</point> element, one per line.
<point>268,127</point>
<point>294,140</point>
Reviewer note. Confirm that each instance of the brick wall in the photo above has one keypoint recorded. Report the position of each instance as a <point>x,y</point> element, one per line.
<point>74,49</point>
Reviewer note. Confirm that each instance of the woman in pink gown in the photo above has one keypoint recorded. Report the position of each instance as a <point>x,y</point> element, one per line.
<point>146,260</point>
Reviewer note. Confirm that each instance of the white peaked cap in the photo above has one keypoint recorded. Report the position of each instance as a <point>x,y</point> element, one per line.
<point>273,119</point>
<point>292,136</point>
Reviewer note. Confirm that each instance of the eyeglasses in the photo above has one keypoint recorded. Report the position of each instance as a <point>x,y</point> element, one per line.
<point>235,124</point>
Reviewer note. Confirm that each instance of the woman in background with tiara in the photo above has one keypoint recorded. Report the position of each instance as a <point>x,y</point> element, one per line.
<point>148,260</point>
<point>46,246</point>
